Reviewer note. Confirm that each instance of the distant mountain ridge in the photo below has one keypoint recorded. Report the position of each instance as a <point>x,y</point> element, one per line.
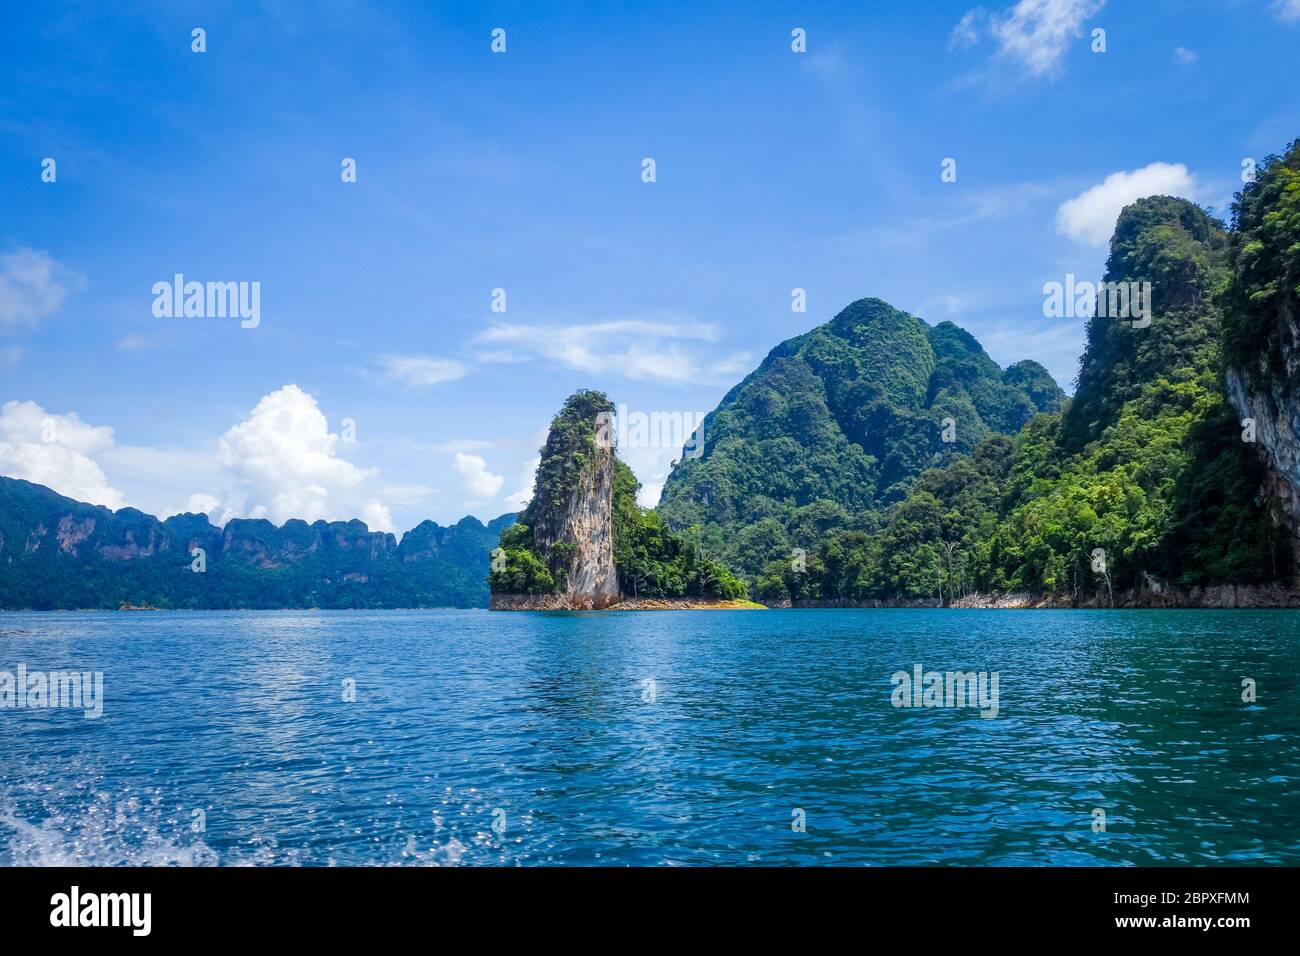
<point>874,459</point>
<point>59,553</point>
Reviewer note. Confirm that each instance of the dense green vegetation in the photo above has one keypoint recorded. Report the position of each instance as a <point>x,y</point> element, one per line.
<point>836,424</point>
<point>60,553</point>
<point>651,560</point>
<point>1143,480</point>
<point>1262,304</point>
<point>534,558</point>
<point>872,458</point>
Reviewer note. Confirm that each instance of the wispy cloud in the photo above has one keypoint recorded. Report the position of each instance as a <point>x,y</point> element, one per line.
<point>1035,34</point>
<point>523,494</point>
<point>33,285</point>
<point>998,203</point>
<point>1185,56</point>
<point>132,343</point>
<point>967,31</point>
<point>1288,11</point>
<point>671,351</point>
<point>461,444</point>
<point>420,371</point>
<point>1053,343</point>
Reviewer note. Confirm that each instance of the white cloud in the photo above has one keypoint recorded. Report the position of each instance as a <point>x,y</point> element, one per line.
<point>32,286</point>
<point>967,31</point>
<point>202,504</point>
<point>950,304</point>
<point>638,349</point>
<point>420,371</point>
<point>1186,56</point>
<point>1288,11</point>
<point>461,444</point>
<point>479,482</point>
<point>1090,216</point>
<point>286,465</point>
<point>651,467</point>
<point>519,498</point>
<point>281,462</point>
<point>1034,33</point>
<point>407,495</point>
<point>55,451</point>
<point>1055,345</point>
<point>131,343</point>
<point>377,517</point>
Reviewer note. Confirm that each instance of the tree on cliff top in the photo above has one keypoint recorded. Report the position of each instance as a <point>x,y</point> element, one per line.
<point>570,447</point>
<point>651,560</point>
<point>1263,296</point>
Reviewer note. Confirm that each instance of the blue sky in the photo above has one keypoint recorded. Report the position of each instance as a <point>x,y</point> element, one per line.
<point>522,171</point>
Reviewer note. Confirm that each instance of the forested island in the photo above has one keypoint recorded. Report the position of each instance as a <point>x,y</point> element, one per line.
<point>873,460</point>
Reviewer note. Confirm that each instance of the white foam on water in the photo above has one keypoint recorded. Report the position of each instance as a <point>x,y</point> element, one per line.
<point>129,835</point>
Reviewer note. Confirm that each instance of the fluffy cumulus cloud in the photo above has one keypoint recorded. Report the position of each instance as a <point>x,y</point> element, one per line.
<point>670,351</point>
<point>281,462</point>
<point>56,451</point>
<point>32,286</point>
<point>480,484</point>
<point>286,464</point>
<point>377,517</point>
<point>210,505</point>
<point>1034,33</point>
<point>1090,216</point>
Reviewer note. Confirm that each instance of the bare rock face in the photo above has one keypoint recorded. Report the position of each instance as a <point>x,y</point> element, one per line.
<point>1276,419</point>
<point>560,554</point>
<point>1261,324</point>
<point>1270,399</point>
<point>572,510</point>
<point>584,526</point>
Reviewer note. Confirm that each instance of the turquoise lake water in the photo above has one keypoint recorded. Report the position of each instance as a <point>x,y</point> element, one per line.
<point>654,738</point>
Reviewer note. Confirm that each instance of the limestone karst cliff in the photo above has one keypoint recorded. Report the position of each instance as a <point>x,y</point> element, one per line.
<point>570,517</point>
<point>583,542</point>
<point>1262,325</point>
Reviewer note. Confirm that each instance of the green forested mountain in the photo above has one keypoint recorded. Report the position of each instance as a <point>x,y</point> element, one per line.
<point>826,473</point>
<point>836,423</point>
<point>1262,303</point>
<point>1144,481</point>
<point>1178,248</point>
<point>60,553</point>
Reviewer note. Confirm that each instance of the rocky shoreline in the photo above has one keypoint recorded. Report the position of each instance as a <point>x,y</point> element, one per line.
<point>588,602</point>
<point>1147,598</point>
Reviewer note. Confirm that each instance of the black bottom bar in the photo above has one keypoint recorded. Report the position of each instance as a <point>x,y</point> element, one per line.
<point>336,905</point>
